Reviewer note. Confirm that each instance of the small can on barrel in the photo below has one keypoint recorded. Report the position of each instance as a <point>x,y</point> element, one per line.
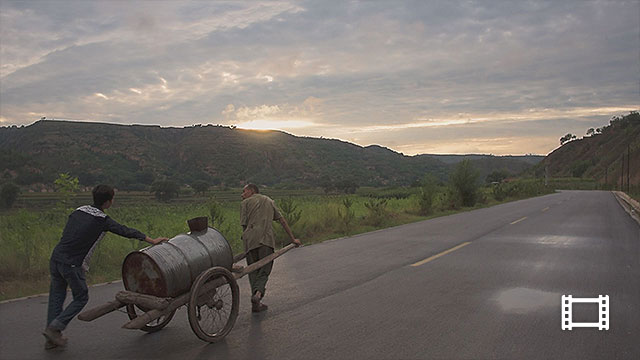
<point>168,269</point>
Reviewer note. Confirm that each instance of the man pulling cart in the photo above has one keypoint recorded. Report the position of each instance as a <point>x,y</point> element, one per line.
<point>155,289</point>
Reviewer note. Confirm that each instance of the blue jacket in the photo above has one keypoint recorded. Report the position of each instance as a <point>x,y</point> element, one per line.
<point>85,226</point>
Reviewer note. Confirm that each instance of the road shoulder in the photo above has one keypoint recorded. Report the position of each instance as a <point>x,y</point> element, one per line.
<point>629,205</point>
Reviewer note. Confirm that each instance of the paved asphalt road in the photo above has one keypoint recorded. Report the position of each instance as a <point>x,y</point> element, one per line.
<point>498,295</point>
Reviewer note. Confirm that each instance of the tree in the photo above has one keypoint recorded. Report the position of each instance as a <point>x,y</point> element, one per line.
<point>216,213</point>
<point>327,185</point>
<point>497,176</point>
<point>66,183</point>
<point>591,131</point>
<point>144,177</point>
<point>464,180</point>
<point>26,177</point>
<point>9,194</point>
<point>377,211</point>
<point>67,186</point>
<point>88,179</point>
<point>165,190</point>
<point>290,210</point>
<point>567,138</point>
<point>427,193</point>
<point>200,186</point>
<point>347,186</point>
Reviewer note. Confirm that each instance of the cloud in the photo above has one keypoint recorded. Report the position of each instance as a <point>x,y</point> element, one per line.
<point>276,117</point>
<point>368,72</point>
<point>64,24</point>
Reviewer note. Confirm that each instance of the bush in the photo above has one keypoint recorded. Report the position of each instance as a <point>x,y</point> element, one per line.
<point>377,211</point>
<point>450,199</point>
<point>9,194</point>
<point>497,176</point>
<point>522,188</point>
<point>428,191</point>
<point>464,180</point>
<point>390,193</point>
<point>137,187</point>
<point>500,191</point>
<point>165,190</point>
<point>200,186</point>
<point>348,216</point>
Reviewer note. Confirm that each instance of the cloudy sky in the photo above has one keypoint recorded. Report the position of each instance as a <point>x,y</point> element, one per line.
<point>498,77</point>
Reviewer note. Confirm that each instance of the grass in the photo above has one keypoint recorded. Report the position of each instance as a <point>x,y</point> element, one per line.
<point>634,192</point>
<point>574,184</point>
<point>29,234</point>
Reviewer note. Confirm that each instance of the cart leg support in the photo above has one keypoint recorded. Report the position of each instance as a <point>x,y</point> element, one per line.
<point>145,301</point>
<point>98,311</point>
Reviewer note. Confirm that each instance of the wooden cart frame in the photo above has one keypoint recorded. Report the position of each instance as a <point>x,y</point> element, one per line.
<point>212,303</point>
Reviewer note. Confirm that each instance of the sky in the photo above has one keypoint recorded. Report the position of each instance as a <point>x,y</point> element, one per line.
<point>438,77</point>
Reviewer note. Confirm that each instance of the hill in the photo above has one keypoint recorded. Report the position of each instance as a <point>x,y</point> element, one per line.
<point>132,156</point>
<point>599,156</point>
<point>520,160</point>
<point>514,165</point>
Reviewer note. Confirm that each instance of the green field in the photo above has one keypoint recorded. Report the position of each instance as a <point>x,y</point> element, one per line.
<point>29,233</point>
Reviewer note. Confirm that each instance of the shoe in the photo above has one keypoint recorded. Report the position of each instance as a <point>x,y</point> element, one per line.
<point>259,307</point>
<point>255,299</point>
<point>48,345</point>
<point>55,336</point>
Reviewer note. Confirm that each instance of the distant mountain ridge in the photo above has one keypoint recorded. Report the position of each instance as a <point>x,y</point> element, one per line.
<point>132,156</point>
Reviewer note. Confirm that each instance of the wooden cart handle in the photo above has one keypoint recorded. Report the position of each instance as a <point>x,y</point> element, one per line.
<point>262,262</point>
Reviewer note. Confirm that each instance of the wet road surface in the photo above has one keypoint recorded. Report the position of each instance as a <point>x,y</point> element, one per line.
<point>476,285</point>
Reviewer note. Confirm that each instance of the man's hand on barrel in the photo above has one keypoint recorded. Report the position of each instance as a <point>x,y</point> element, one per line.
<point>156,240</point>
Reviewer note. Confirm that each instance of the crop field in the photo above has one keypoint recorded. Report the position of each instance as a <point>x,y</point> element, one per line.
<point>29,233</point>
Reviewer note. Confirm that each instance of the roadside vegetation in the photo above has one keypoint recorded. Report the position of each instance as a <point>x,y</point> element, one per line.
<point>29,234</point>
<point>327,207</point>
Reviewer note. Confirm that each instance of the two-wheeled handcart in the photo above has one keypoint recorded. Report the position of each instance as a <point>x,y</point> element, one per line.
<point>193,269</point>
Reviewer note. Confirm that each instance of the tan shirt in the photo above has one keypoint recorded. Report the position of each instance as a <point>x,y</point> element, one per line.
<point>256,214</point>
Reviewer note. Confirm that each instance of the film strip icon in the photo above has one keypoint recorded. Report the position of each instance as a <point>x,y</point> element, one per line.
<point>603,312</point>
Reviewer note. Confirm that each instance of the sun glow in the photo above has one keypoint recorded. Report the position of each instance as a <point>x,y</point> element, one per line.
<point>274,124</point>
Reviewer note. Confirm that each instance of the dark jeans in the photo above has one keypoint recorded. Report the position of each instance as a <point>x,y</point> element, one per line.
<point>63,275</point>
<point>258,279</point>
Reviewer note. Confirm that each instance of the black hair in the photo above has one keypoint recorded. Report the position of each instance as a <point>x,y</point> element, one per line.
<point>253,187</point>
<point>101,194</point>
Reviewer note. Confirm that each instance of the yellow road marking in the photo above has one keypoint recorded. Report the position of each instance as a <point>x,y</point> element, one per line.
<point>517,221</point>
<point>422,262</point>
<point>545,209</point>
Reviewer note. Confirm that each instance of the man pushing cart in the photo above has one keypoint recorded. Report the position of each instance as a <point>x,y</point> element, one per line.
<point>195,269</point>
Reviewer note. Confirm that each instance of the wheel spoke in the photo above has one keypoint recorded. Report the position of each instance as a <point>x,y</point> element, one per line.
<point>219,307</point>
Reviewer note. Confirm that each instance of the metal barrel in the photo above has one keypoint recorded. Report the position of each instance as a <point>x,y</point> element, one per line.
<point>168,269</point>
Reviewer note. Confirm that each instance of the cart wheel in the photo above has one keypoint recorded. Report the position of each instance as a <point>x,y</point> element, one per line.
<point>212,313</point>
<point>153,326</point>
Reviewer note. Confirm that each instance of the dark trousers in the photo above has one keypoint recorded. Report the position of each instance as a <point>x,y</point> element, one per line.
<point>258,278</point>
<point>63,275</point>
